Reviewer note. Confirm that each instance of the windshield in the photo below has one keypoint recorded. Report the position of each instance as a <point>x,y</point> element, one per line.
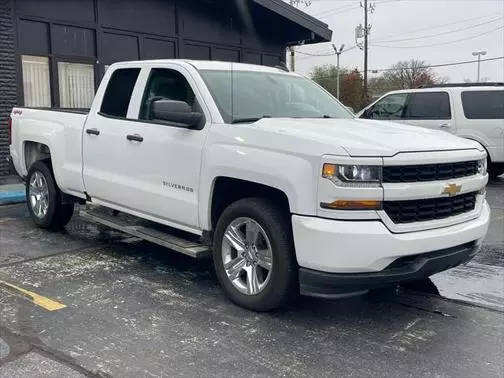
<point>247,96</point>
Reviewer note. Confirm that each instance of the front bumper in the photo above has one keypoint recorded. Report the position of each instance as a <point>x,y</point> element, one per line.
<point>410,268</point>
<point>368,247</point>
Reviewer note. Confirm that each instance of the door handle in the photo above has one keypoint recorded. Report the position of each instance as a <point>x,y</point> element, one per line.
<point>445,125</point>
<point>135,137</point>
<point>93,131</point>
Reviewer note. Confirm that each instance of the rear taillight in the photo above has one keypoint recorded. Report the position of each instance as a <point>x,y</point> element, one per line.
<point>9,128</point>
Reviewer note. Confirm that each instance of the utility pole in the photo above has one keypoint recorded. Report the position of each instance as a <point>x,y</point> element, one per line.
<point>366,32</point>
<point>363,32</point>
<point>291,48</point>
<point>292,58</point>
<point>478,54</point>
<point>292,52</point>
<point>338,53</point>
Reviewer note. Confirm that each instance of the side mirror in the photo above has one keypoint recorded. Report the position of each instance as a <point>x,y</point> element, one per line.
<point>177,112</point>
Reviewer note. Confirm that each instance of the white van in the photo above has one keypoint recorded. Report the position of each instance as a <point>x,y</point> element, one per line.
<point>472,111</point>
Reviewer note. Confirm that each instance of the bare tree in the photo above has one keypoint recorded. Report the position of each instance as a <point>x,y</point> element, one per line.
<point>410,74</point>
<point>404,75</point>
<point>297,3</point>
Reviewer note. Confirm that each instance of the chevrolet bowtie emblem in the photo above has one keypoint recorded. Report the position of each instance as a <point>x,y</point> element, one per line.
<point>452,189</point>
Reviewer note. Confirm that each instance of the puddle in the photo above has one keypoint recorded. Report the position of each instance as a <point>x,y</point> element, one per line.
<point>476,283</point>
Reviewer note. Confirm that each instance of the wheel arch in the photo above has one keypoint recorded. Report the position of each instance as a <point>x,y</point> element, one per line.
<point>482,143</point>
<point>226,190</point>
<point>34,151</point>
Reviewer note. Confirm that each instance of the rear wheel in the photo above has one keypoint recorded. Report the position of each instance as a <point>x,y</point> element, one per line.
<point>44,198</point>
<point>253,255</point>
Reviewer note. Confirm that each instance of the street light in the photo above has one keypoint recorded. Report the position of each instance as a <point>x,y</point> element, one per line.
<point>478,54</point>
<point>338,52</point>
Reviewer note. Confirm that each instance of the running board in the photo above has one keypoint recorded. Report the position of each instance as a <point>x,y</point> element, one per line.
<point>168,237</point>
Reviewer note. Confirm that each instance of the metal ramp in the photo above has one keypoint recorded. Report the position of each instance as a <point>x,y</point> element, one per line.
<point>168,237</point>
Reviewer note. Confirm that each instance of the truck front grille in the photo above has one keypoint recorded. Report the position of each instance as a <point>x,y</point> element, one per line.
<point>429,209</point>
<point>429,172</point>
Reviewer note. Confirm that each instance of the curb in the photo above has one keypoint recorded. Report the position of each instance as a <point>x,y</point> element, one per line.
<point>12,197</point>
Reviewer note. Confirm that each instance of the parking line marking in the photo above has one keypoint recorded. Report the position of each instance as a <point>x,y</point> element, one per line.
<point>39,300</point>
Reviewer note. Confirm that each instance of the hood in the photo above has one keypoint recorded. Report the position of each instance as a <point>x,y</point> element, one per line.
<point>361,137</point>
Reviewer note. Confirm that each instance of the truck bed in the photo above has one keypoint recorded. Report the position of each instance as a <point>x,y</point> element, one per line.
<point>54,131</point>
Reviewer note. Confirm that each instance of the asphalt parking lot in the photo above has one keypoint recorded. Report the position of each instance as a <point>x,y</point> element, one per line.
<point>94,302</point>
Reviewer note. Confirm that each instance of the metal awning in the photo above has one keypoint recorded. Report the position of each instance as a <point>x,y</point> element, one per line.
<point>321,30</point>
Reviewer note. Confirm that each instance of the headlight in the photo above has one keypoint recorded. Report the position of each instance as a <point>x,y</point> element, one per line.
<point>353,175</point>
<point>482,166</point>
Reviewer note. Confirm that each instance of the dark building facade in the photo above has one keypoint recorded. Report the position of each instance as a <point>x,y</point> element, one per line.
<point>54,52</point>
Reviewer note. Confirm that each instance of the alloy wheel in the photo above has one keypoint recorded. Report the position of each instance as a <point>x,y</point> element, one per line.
<point>247,255</point>
<point>38,195</point>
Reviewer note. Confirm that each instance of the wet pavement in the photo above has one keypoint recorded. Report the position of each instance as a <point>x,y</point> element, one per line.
<point>132,309</point>
<point>481,281</point>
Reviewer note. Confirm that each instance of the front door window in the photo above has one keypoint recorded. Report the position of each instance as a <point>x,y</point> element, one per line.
<point>389,107</point>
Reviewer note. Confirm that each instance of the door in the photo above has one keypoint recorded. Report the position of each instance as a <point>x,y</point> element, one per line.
<point>429,109</point>
<point>147,167</point>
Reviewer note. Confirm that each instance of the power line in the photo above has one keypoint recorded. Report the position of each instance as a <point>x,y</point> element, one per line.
<point>439,65</point>
<point>320,53</point>
<point>439,26</point>
<point>330,10</point>
<point>442,33</point>
<point>423,1</point>
<point>310,54</point>
<point>439,44</point>
<point>338,11</point>
<point>423,67</point>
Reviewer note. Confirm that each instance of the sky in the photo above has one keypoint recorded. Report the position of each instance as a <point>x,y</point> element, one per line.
<point>436,31</point>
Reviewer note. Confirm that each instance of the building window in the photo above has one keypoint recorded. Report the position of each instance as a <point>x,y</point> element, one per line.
<point>76,85</point>
<point>36,83</point>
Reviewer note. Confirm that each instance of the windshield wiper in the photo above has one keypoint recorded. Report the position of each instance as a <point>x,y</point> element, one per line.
<point>249,119</point>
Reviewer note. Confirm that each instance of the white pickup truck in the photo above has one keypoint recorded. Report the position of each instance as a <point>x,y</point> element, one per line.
<point>263,169</point>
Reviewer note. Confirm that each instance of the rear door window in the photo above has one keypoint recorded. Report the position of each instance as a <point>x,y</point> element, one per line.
<point>428,105</point>
<point>483,104</point>
<point>118,93</point>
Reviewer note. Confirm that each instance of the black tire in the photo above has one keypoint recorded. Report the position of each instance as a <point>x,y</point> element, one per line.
<point>495,172</point>
<point>58,214</point>
<point>282,285</point>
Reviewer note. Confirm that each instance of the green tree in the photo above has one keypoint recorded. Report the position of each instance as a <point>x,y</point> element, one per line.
<point>351,84</point>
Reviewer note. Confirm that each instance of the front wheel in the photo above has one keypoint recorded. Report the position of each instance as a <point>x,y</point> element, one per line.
<point>254,255</point>
<point>495,170</point>
<point>43,198</point>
